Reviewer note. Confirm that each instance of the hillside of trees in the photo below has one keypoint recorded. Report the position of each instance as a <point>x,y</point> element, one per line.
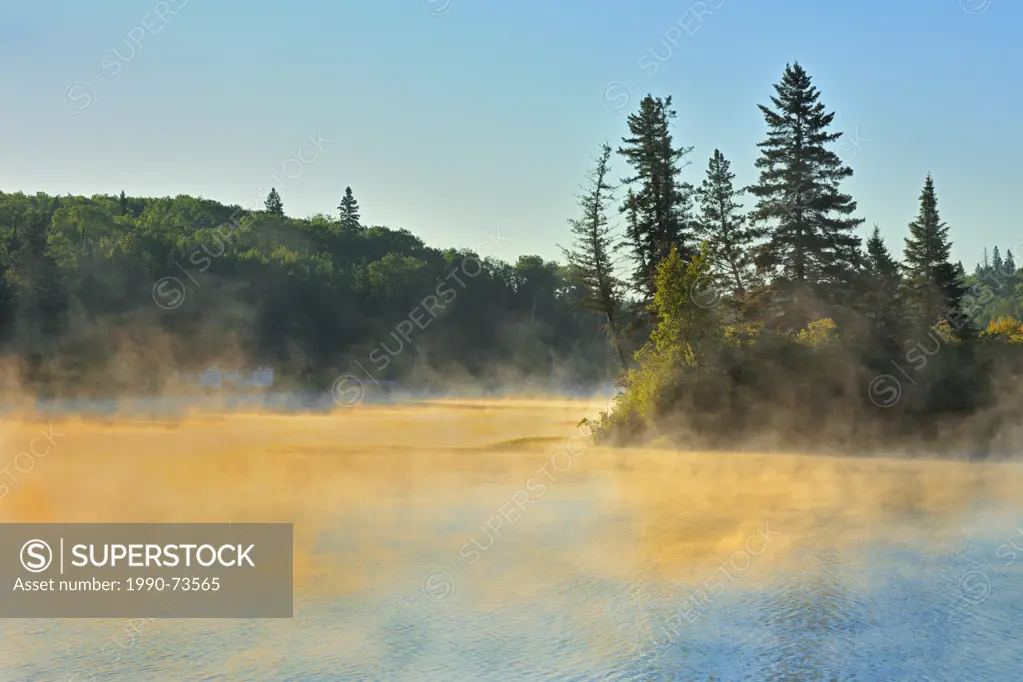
<point>88,306</point>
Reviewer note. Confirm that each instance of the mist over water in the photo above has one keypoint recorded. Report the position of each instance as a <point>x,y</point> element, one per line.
<point>471,539</point>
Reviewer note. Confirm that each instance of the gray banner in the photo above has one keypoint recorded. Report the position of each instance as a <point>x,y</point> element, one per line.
<point>146,570</point>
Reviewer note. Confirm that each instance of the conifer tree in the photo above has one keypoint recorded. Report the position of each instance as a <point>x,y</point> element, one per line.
<point>983,267</point>
<point>349,210</point>
<point>273,203</point>
<point>883,302</point>
<point>659,203</point>
<point>812,248</point>
<point>1009,264</point>
<point>724,227</point>
<point>932,287</point>
<point>591,258</point>
<point>1008,277</point>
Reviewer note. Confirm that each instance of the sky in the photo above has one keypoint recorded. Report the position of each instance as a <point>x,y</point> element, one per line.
<point>463,119</point>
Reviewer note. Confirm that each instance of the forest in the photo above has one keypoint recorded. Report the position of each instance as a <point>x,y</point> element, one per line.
<point>726,313</point>
<point>115,295</point>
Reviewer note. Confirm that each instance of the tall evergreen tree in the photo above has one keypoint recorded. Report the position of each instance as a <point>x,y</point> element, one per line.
<point>932,289</point>
<point>349,210</point>
<point>996,262</point>
<point>811,247</point>
<point>1008,279</point>
<point>591,259</point>
<point>883,300</point>
<point>273,203</point>
<point>1009,264</point>
<point>122,203</point>
<point>659,204</point>
<point>724,227</point>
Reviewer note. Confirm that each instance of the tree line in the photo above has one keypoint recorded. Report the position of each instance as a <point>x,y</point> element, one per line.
<point>112,294</point>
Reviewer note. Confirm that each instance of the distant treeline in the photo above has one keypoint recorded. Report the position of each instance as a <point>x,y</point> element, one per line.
<point>111,294</point>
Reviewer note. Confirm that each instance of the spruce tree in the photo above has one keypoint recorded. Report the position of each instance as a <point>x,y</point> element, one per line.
<point>1008,277</point>
<point>932,287</point>
<point>883,301</point>
<point>996,262</point>
<point>1009,264</point>
<point>659,204</point>
<point>122,203</point>
<point>812,247</point>
<point>591,258</point>
<point>724,227</point>
<point>273,202</point>
<point>349,210</point>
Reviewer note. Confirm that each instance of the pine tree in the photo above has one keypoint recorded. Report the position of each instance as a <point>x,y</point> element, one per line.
<point>1009,264</point>
<point>122,203</point>
<point>273,202</point>
<point>591,259</point>
<point>996,262</point>
<point>659,204</point>
<point>811,247</point>
<point>349,210</point>
<point>932,289</point>
<point>1008,279</point>
<point>724,227</point>
<point>883,301</point>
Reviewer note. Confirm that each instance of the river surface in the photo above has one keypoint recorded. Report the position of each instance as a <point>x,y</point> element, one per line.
<point>431,544</point>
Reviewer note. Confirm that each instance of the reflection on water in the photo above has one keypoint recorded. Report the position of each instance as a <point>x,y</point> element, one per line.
<point>433,545</point>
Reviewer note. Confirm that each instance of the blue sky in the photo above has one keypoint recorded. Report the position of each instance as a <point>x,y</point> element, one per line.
<point>454,118</point>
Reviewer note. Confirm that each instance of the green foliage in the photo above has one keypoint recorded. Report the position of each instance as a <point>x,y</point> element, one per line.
<point>932,288</point>
<point>737,335</point>
<point>273,203</point>
<point>305,296</point>
<point>811,246</point>
<point>1006,329</point>
<point>591,263</point>
<point>721,223</point>
<point>818,333</point>
<point>349,210</point>
<point>881,295</point>
<point>658,203</point>
<point>685,336</point>
<point>993,293</point>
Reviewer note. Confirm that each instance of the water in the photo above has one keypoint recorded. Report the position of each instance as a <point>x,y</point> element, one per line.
<point>431,547</point>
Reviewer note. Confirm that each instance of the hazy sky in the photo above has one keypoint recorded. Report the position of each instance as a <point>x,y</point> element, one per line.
<point>455,117</point>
